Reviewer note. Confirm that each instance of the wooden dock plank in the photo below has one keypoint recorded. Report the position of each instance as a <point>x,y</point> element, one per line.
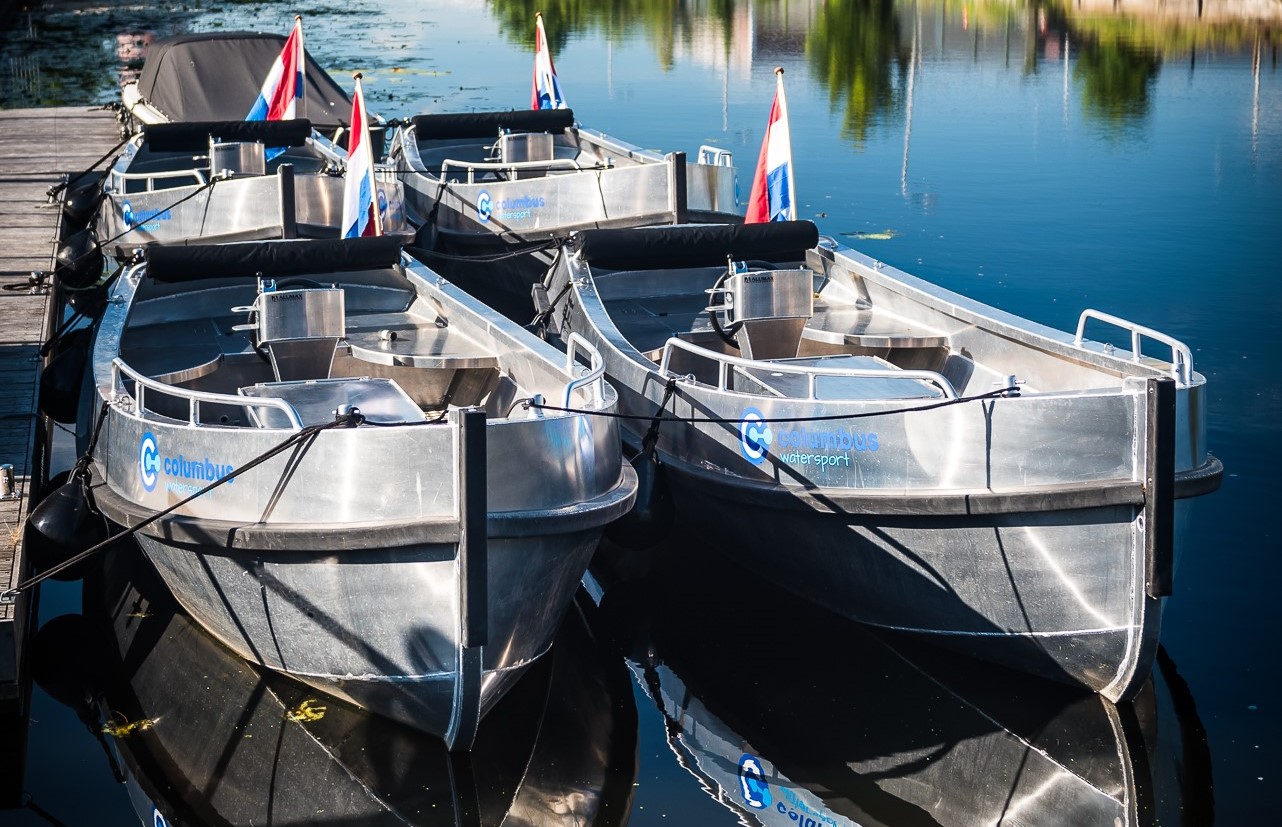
<point>37,147</point>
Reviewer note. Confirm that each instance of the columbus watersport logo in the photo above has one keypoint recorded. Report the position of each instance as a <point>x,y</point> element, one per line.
<point>152,465</point>
<point>754,436</point>
<point>796,444</point>
<point>510,209</point>
<point>148,461</point>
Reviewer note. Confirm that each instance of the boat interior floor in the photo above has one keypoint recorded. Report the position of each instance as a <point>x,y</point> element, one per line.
<point>410,367</point>
<point>842,337</point>
<point>452,161</point>
<point>150,171</point>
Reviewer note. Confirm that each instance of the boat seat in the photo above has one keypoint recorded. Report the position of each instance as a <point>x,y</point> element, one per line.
<point>399,339</point>
<point>796,385</point>
<point>379,400</point>
<point>867,328</point>
<point>436,365</point>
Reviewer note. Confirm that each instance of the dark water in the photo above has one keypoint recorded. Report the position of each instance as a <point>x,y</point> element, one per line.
<point>1039,157</point>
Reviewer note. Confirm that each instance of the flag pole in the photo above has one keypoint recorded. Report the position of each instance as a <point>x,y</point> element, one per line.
<point>783,112</point>
<point>302,66</point>
<point>368,149</point>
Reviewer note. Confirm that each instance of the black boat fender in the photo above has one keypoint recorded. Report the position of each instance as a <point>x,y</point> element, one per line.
<point>64,524</point>
<point>62,379</point>
<point>78,262</point>
<point>81,198</point>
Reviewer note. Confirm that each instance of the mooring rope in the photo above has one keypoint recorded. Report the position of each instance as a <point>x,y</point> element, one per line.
<point>53,191</point>
<point>351,419</point>
<point>999,393</point>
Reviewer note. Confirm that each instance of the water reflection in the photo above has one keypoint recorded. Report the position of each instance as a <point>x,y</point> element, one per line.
<point>201,737</point>
<point>859,50</point>
<point>787,715</point>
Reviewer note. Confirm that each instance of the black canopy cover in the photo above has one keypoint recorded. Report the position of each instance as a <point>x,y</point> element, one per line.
<point>694,245</point>
<point>174,263</point>
<point>217,77</point>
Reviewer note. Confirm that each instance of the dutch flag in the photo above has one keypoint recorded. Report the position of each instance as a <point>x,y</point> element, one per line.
<point>360,209</point>
<point>546,93</point>
<point>283,88</point>
<point>772,197</point>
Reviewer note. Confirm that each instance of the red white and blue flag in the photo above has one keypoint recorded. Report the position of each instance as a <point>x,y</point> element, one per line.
<point>546,93</point>
<point>772,197</point>
<point>283,88</point>
<point>360,207</point>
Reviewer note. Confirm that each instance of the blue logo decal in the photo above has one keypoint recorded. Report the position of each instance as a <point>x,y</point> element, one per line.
<point>148,461</point>
<point>484,206</point>
<point>752,783</point>
<point>127,213</point>
<point>382,203</point>
<point>158,820</point>
<point>754,436</point>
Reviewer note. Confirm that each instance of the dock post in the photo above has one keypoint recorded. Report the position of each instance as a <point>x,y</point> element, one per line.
<point>473,570</point>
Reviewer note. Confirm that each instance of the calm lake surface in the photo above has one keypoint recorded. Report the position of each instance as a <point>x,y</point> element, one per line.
<point>1038,157</point>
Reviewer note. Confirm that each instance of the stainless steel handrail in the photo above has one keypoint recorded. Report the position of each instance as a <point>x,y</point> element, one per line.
<point>473,166</point>
<point>1181,356</point>
<point>118,179</point>
<point>725,362</point>
<point>716,156</point>
<point>194,398</point>
<point>595,374</point>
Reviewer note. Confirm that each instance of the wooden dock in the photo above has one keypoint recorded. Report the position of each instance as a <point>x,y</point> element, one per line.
<point>37,148</point>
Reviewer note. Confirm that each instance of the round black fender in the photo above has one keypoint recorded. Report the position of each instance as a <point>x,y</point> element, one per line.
<point>79,261</point>
<point>63,525</point>
<point>81,198</point>
<point>63,377</point>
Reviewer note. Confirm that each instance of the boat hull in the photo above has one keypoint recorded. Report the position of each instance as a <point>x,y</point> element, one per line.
<point>236,209</point>
<point>891,468</point>
<point>371,622</point>
<point>1056,593</point>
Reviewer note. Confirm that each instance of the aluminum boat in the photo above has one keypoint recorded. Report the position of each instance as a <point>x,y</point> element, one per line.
<point>486,184</point>
<point>898,453</point>
<point>413,562</point>
<point>194,168</point>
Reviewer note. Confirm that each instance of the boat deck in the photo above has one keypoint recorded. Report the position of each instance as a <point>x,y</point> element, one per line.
<point>37,146</point>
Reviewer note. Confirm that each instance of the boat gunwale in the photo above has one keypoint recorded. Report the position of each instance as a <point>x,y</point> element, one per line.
<point>238,536</point>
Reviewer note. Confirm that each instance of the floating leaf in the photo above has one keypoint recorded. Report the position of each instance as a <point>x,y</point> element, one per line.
<point>308,710</point>
<point>123,728</point>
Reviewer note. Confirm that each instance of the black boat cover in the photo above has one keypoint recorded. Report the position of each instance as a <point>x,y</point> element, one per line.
<point>694,245</point>
<point>217,77</point>
<point>175,263</point>
<point>193,136</point>
<point>488,124</point>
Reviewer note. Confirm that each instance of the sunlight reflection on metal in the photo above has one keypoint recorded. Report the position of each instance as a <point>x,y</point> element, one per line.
<point>1070,585</point>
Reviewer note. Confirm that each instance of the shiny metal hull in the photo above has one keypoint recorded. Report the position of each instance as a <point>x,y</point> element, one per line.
<point>167,198</point>
<point>477,208</point>
<point>877,469</point>
<point>344,561</point>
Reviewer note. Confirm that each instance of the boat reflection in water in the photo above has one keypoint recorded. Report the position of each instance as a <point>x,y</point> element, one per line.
<point>791,716</point>
<point>201,737</point>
